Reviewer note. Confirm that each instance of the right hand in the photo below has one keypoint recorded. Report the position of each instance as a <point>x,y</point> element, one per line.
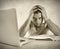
<point>43,12</point>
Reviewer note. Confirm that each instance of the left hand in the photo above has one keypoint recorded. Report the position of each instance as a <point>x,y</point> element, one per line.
<point>43,12</point>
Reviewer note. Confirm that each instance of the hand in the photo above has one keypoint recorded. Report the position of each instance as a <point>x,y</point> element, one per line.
<point>44,14</point>
<point>43,11</point>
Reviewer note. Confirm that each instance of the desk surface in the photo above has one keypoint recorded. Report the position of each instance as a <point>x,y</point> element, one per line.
<point>5,46</point>
<point>39,44</point>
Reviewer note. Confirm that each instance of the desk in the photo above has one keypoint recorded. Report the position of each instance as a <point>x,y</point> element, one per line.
<point>37,44</point>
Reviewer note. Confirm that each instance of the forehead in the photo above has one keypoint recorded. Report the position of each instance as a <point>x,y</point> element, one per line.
<point>37,15</point>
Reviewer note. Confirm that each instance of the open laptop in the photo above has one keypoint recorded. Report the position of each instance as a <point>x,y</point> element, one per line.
<point>8,27</point>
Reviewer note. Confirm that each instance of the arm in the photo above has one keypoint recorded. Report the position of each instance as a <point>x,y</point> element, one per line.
<point>23,29</point>
<point>53,27</point>
<point>25,26</point>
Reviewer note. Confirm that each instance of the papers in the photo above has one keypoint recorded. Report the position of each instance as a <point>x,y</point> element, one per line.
<point>26,40</point>
<point>41,37</point>
<point>45,37</point>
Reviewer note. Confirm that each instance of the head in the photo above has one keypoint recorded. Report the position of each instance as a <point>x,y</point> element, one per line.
<point>37,17</point>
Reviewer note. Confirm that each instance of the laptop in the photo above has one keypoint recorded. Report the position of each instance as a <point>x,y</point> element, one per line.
<point>8,27</point>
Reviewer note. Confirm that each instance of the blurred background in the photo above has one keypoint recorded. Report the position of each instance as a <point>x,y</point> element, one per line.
<point>18,13</point>
<point>23,8</point>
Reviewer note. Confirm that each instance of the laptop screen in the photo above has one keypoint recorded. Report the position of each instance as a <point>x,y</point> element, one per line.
<point>8,27</point>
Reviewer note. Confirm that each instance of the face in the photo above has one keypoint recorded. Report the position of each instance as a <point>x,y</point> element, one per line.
<point>37,19</point>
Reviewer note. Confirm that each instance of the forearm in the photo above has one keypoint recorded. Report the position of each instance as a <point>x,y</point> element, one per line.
<point>53,27</point>
<point>23,29</point>
<point>25,26</point>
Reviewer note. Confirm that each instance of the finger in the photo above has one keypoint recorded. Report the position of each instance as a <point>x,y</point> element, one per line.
<point>36,7</point>
<point>41,7</point>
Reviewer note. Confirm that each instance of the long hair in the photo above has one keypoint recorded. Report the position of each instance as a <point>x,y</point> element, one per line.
<point>26,26</point>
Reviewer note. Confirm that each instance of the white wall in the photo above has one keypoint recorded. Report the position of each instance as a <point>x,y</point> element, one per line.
<point>23,7</point>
